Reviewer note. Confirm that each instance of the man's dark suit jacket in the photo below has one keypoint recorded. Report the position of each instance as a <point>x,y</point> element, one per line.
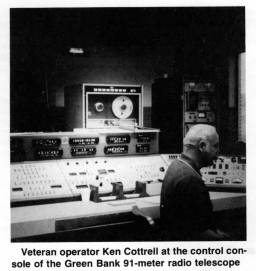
<point>186,209</point>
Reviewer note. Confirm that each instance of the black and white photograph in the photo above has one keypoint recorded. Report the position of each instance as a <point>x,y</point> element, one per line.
<point>127,124</point>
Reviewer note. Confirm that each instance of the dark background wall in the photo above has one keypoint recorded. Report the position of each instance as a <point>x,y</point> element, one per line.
<point>122,46</point>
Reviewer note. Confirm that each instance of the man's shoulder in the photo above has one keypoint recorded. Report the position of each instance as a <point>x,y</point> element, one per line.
<point>178,167</point>
<point>180,172</point>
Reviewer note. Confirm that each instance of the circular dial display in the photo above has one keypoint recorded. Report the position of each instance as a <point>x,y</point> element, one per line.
<point>99,107</point>
<point>122,107</point>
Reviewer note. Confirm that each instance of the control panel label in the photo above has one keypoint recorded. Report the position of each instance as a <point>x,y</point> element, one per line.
<point>118,139</point>
<point>142,148</point>
<point>116,149</point>
<point>113,89</point>
<point>46,142</point>
<point>81,141</point>
<point>145,138</point>
<point>48,153</point>
<point>80,151</point>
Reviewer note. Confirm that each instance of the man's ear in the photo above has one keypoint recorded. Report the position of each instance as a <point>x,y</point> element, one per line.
<point>202,145</point>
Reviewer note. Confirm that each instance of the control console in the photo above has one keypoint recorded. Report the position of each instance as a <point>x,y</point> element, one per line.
<point>85,143</point>
<point>96,179</point>
<point>228,172</point>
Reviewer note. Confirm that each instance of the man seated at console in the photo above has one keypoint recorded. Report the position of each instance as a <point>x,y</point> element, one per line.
<point>186,210</point>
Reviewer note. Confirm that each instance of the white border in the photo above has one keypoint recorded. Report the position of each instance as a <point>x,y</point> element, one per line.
<point>12,251</point>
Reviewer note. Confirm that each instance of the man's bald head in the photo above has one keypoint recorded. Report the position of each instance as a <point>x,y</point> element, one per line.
<point>199,132</point>
<point>202,143</point>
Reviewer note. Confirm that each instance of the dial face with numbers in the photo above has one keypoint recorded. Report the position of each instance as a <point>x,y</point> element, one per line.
<point>122,107</point>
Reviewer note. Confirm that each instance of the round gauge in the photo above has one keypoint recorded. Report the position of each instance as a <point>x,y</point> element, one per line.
<point>122,107</point>
<point>99,107</point>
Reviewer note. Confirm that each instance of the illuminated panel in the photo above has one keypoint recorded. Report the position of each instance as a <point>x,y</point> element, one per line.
<point>201,115</point>
<point>66,145</point>
<point>226,172</point>
<point>142,148</point>
<point>118,139</point>
<point>121,149</point>
<point>113,89</point>
<point>48,153</point>
<point>145,138</point>
<point>46,142</point>
<point>81,151</point>
<point>81,141</point>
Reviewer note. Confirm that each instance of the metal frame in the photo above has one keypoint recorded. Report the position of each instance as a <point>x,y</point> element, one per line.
<point>85,96</point>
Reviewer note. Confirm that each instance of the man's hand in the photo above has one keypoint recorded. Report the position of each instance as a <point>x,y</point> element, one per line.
<point>222,234</point>
<point>217,235</point>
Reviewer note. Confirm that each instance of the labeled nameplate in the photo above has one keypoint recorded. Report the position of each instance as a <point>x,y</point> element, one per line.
<point>80,151</point>
<point>48,153</point>
<point>81,141</point>
<point>118,139</point>
<point>116,149</point>
<point>142,148</point>
<point>145,138</point>
<point>46,142</point>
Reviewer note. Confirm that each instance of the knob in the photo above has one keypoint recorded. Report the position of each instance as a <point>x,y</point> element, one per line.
<point>162,169</point>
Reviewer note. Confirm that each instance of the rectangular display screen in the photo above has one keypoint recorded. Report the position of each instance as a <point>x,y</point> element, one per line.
<point>142,148</point>
<point>144,138</point>
<point>76,151</point>
<point>81,141</point>
<point>201,115</point>
<point>48,153</point>
<point>118,139</point>
<point>116,149</point>
<point>46,142</point>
